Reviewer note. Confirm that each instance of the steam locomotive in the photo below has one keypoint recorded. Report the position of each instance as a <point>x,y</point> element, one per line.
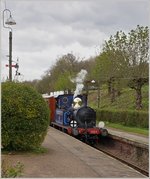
<point>74,117</point>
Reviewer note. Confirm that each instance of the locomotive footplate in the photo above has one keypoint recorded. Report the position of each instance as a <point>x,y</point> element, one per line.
<point>69,130</point>
<point>54,124</point>
<point>66,129</point>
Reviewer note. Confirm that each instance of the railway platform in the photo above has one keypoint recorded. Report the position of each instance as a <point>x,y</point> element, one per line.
<point>129,136</point>
<point>67,157</point>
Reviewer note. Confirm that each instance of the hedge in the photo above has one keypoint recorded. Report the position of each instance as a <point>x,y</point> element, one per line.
<point>25,117</point>
<point>128,118</point>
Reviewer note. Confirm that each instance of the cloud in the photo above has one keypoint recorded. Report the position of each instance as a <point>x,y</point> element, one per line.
<point>47,29</point>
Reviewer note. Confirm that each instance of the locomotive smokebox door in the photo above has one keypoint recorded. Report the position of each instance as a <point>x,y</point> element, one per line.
<point>73,123</point>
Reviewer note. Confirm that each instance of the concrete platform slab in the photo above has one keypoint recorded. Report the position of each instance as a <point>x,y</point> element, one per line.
<point>70,158</point>
<point>130,136</point>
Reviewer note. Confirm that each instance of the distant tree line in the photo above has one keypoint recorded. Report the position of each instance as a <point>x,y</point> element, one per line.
<point>58,77</point>
<point>123,61</point>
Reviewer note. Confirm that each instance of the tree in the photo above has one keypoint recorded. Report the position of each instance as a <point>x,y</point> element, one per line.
<point>58,77</point>
<point>138,45</point>
<point>131,56</point>
<point>64,82</point>
<point>61,73</point>
<point>107,70</point>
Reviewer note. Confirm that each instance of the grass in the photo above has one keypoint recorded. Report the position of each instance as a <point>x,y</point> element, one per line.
<point>126,101</point>
<point>39,150</point>
<point>36,150</point>
<point>9,171</point>
<point>128,129</point>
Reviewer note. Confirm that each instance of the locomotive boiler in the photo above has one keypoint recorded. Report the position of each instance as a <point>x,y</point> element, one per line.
<point>75,117</point>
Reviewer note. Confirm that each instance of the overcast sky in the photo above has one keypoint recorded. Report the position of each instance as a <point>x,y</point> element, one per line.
<point>48,29</point>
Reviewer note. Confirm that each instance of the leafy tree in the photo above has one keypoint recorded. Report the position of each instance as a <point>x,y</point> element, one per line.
<point>138,45</point>
<point>59,75</point>
<point>63,82</point>
<point>106,70</point>
<point>44,85</point>
<point>130,53</point>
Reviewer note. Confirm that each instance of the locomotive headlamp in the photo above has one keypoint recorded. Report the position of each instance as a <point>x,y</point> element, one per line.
<point>101,124</point>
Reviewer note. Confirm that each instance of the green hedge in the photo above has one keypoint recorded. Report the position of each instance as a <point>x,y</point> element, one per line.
<point>25,117</point>
<point>128,118</point>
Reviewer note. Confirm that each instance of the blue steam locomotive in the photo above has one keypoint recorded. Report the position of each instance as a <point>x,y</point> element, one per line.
<point>73,116</point>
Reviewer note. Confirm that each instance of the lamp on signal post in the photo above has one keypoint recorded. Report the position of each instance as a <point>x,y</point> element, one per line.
<point>87,82</point>
<point>9,21</point>
<point>98,94</point>
<point>98,91</point>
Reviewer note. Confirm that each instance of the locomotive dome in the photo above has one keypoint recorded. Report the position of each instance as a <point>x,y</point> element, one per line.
<point>77,102</point>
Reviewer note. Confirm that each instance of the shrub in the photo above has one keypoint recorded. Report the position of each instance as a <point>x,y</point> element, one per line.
<point>128,118</point>
<point>25,117</point>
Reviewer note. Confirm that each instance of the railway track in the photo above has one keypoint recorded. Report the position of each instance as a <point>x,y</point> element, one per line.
<point>144,172</point>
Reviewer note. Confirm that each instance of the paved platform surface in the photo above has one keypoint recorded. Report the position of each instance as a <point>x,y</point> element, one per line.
<point>69,158</point>
<point>130,136</point>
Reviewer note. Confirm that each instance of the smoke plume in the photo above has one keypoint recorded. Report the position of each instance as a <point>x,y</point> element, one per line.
<point>79,79</point>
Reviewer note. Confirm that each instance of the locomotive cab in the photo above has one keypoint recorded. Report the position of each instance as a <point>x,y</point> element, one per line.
<point>64,109</point>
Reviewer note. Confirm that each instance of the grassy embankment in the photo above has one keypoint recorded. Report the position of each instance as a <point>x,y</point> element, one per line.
<point>126,101</point>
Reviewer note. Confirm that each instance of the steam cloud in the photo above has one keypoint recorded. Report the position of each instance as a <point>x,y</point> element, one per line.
<point>79,82</point>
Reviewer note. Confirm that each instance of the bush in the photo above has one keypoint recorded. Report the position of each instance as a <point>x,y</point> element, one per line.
<point>25,117</point>
<point>127,118</point>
